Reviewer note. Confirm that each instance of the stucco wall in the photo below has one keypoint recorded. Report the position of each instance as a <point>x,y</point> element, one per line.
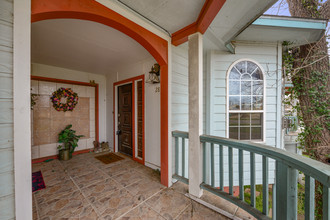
<point>67,74</point>
<point>7,201</point>
<point>47,123</point>
<point>152,108</point>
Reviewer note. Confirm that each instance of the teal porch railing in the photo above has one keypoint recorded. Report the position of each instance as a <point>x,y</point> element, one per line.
<point>284,191</point>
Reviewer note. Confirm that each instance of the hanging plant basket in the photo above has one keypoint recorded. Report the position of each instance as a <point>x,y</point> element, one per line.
<point>62,93</point>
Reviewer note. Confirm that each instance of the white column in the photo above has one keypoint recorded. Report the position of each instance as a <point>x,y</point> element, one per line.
<point>22,129</point>
<point>195,112</point>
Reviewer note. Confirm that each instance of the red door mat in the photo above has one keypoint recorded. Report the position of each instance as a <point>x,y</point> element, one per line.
<point>37,181</point>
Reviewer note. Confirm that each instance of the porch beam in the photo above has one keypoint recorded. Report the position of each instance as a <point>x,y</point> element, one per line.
<point>195,60</point>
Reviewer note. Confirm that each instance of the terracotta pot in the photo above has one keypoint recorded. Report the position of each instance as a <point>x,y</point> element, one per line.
<point>64,154</point>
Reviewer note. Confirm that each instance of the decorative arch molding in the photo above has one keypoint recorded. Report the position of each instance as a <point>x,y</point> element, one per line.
<point>94,11</point>
<point>155,45</point>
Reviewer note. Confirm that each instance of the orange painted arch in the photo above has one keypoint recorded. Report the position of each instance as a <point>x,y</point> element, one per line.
<point>93,11</point>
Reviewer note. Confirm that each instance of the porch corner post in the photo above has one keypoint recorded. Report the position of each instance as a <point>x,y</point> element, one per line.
<point>195,62</point>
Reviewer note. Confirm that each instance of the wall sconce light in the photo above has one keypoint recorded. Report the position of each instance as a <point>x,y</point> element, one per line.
<point>154,74</point>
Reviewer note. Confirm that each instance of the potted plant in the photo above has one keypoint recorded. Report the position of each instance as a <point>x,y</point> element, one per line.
<point>70,141</point>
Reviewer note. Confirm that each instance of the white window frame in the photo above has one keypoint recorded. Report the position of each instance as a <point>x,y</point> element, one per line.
<point>247,111</point>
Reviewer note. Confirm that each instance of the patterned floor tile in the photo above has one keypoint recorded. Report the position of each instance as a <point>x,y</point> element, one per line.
<point>85,188</point>
<point>101,189</point>
<point>168,203</point>
<point>90,178</point>
<point>196,211</point>
<point>64,206</point>
<point>115,170</point>
<point>129,177</point>
<point>144,189</point>
<point>116,204</point>
<point>142,212</point>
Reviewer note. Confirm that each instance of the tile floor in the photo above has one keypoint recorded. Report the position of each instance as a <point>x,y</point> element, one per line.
<point>85,188</point>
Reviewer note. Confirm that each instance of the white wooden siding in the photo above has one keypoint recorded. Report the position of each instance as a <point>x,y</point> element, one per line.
<point>216,65</point>
<point>179,83</point>
<point>7,201</point>
<point>219,63</point>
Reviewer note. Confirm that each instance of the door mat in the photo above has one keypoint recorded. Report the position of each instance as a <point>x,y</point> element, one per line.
<point>37,181</point>
<point>109,158</point>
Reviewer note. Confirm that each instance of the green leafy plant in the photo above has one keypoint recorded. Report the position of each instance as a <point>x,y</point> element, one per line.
<point>69,139</point>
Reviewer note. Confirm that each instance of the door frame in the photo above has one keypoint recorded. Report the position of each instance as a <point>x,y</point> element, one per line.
<point>132,81</point>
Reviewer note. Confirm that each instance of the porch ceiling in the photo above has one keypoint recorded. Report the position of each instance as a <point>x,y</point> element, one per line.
<point>233,18</point>
<point>172,15</point>
<point>83,45</point>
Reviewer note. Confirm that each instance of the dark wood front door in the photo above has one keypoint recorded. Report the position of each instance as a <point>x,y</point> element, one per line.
<point>124,131</point>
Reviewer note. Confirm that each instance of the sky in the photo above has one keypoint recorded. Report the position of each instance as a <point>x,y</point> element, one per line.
<point>279,8</point>
<point>282,8</point>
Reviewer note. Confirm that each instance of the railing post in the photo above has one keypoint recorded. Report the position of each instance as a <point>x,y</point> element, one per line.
<point>309,197</point>
<point>176,145</point>
<point>195,63</point>
<point>326,203</point>
<point>286,191</point>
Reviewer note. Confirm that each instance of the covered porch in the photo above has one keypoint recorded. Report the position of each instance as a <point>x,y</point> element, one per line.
<point>96,43</point>
<point>121,190</point>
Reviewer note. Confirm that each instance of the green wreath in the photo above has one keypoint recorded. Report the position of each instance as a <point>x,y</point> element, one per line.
<point>71,99</point>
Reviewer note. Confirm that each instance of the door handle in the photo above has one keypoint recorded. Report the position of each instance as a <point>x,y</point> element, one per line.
<point>118,132</point>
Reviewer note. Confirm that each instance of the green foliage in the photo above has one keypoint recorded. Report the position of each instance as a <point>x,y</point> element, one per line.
<point>33,100</point>
<point>315,87</point>
<point>69,139</point>
<point>247,197</point>
<point>301,199</point>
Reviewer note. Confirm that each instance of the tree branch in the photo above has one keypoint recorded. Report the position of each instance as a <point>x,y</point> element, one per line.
<point>325,10</point>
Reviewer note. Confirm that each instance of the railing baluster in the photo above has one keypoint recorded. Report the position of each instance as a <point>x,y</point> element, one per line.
<point>274,201</point>
<point>221,166</point>
<point>286,188</point>
<point>231,172</point>
<point>177,155</point>
<point>309,197</point>
<point>253,179</point>
<point>212,165</point>
<point>241,175</point>
<point>183,157</point>
<point>326,203</point>
<point>265,185</point>
<point>204,162</point>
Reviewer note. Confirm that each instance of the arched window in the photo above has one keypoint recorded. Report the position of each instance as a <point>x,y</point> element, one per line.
<point>245,101</point>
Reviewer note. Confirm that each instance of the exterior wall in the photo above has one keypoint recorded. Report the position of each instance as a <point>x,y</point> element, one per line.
<point>179,83</point>
<point>152,108</point>
<point>67,74</point>
<point>7,193</point>
<point>46,122</point>
<point>219,62</point>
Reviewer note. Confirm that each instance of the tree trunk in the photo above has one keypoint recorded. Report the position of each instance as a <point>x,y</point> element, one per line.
<point>309,59</point>
<point>310,79</point>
